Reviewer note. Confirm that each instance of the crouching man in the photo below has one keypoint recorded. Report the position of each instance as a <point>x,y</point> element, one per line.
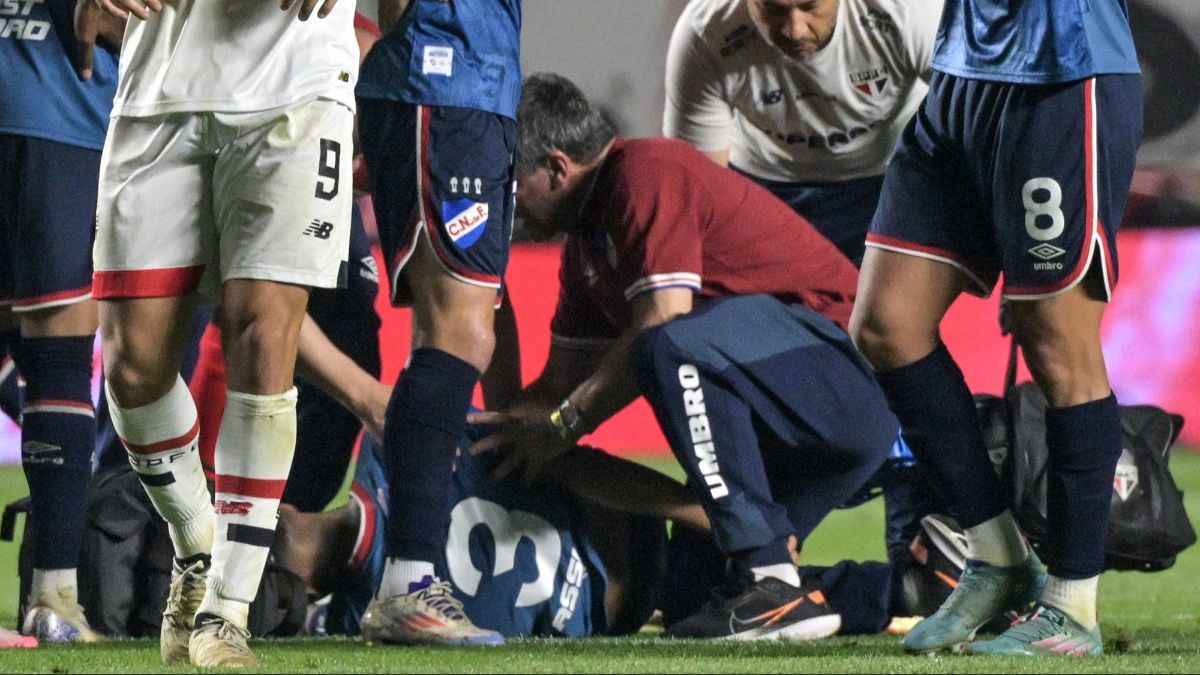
<point>689,284</point>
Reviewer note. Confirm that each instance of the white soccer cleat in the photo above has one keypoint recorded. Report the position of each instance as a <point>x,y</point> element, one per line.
<point>428,616</point>
<point>58,618</point>
<point>183,600</point>
<point>217,643</point>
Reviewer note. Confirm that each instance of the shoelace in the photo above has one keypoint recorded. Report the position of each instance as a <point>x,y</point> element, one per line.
<point>189,583</point>
<point>227,632</point>
<point>438,596</point>
<point>1028,627</point>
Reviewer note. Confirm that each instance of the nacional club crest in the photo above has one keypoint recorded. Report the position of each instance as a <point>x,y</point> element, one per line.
<point>465,220</point>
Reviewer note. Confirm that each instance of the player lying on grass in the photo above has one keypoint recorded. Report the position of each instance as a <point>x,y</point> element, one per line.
<point>583,552</point>
<point>689,284</point>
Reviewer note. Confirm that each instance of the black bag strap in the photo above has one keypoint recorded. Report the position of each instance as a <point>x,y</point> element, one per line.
<point>1010,371</point>
<point>8,524</point>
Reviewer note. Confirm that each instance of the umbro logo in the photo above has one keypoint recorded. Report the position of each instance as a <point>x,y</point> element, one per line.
<point>1046,251</point>
<point>318,228</point>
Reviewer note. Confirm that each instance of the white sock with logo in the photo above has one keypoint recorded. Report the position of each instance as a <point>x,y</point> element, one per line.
<point>1075,597</point>
<point>253,456</point>
<point>997,542</point>
<point>398,573</point>
<point>785,572</point>
<point>162,442</point>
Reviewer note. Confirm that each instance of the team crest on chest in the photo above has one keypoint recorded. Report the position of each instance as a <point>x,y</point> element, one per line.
<point>465,220</point>
<point>870,81</point>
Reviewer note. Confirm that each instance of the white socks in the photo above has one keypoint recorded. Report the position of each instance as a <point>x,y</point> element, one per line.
<point>785,572</point>
<point>398,573</point>
<point>161,440</point>
<point>253,457</point>
<point>54,588</point>
<point>1075,597</point>
<point>997,542</point>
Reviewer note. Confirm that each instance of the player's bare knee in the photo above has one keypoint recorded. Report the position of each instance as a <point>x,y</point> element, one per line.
<point>135,383</point>
<point>885,340</point>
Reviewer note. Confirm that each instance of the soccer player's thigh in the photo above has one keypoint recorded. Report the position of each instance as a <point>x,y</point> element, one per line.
<point>154,240</point>
<point>1061,180</point>
<point>927,242</point>
<point>283,191</point>
<point>51,243</point>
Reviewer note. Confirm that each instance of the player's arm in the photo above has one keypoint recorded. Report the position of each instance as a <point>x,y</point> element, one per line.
<point>333,372</point>
<point>612,386</point>
<point>624,486</point>
<point>501,381</point>
<point>697,109</point>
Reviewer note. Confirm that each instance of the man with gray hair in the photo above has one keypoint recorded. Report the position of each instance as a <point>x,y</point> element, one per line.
<point>694,287</point>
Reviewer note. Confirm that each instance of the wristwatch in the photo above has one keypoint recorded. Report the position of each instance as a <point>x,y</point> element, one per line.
<point>567,421</point>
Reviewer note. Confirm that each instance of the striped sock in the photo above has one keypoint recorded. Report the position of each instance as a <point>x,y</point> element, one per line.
<point>162,439</point>
<point>253,458</point>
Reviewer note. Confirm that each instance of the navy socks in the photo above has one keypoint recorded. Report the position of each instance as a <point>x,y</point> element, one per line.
<point>426,421</point>
<point>57,438</point>
<point>937,413</point>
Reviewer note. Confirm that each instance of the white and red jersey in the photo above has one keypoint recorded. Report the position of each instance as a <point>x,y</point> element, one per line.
<point>832,116</point>
<point>235,56</point>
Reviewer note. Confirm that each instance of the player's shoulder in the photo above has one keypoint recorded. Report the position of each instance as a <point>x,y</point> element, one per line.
<point>900,16</point>
<point>723,26</point>
<point>641,164</point>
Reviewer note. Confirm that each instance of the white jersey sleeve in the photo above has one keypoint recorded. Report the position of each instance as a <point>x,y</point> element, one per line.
<point>235,56</point>
<point>697,109</point>
<point>921,25</point>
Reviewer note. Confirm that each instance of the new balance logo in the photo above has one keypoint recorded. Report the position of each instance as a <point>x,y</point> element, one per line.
<point>229,508</point>
<point>702,442</point>
<point>319,228</point>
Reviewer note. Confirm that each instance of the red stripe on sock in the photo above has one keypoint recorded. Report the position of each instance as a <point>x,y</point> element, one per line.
<point>262,488</point>
<point>163,446</point>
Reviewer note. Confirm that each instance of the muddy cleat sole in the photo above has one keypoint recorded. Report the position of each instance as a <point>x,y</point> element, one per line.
<point>1046,631</point>
<point>768,609</point>
<point>983,593</point>
<point>217,643</point>
<point>427,616</point>
<point>179,617</point>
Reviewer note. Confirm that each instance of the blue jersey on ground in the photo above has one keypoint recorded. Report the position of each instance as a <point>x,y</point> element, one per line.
<point>40,94</point>
<point>462,54</point>
<point>518,558</point>
<point>1034,41</point>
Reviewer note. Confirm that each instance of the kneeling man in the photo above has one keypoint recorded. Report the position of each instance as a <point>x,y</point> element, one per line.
<point>691,285</point>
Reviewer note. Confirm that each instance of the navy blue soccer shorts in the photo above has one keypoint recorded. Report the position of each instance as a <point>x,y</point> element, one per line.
<point>447,172</point>
<point>775,417</point>
<point>47,221</point>
<point>1028,180</point>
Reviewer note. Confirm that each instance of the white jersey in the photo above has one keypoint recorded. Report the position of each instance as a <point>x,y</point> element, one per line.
<point>235,56</point>
<point>833,116</point>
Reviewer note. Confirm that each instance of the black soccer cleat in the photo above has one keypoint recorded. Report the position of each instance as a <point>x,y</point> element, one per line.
<point>769,609</point>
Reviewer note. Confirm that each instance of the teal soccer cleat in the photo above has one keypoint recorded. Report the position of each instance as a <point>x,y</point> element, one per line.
<point>1044,631</point>
<point>984,592</point>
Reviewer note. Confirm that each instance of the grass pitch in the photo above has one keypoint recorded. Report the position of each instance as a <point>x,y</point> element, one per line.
<point>1151,623</point>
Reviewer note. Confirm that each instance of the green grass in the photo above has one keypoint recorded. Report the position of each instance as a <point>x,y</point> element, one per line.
<point>1151,623</point>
